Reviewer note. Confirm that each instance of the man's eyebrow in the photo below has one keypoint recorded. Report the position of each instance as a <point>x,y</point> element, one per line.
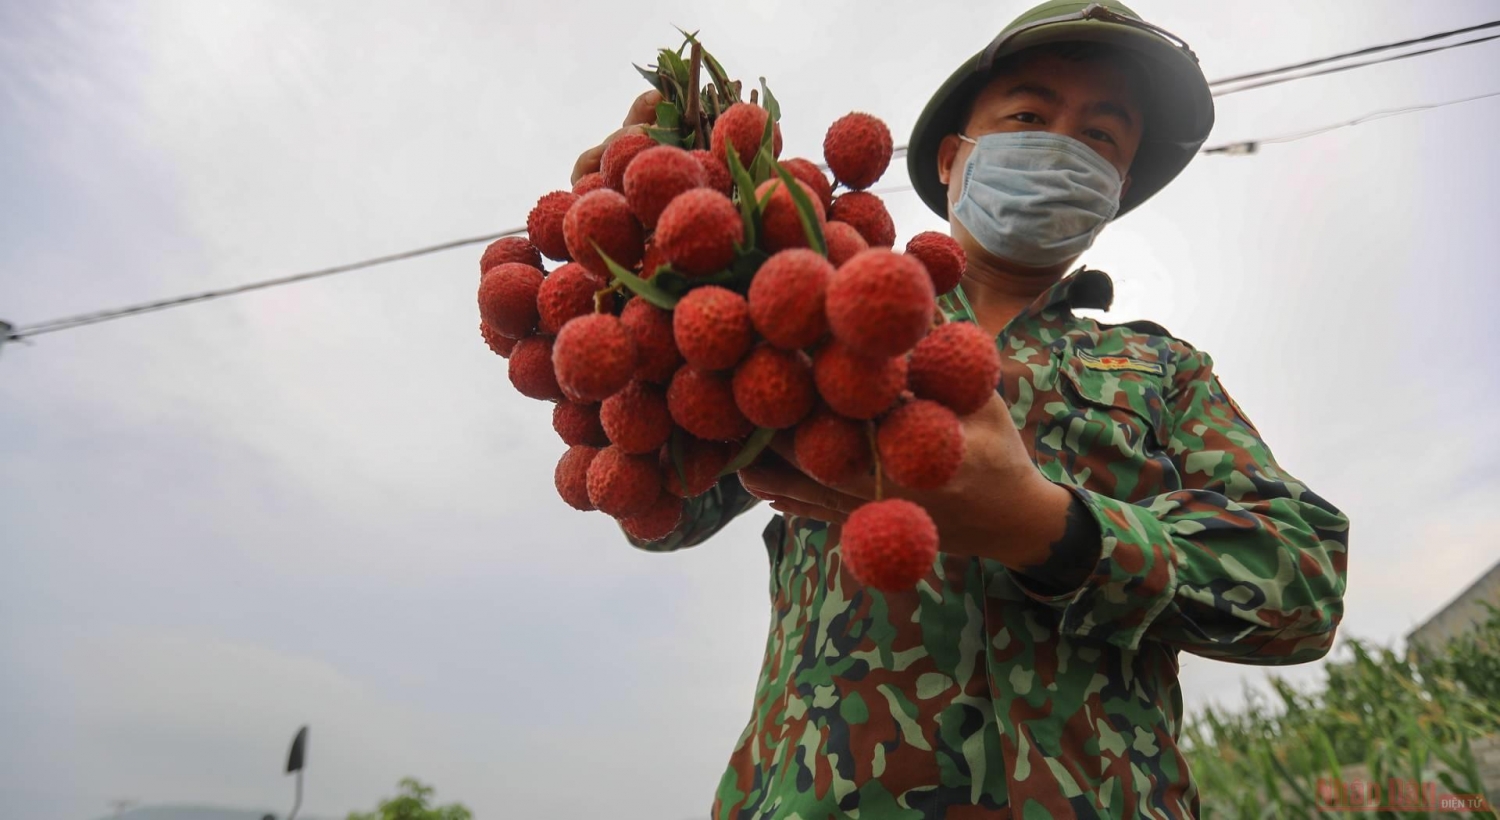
<point>1111,109</point>
<point>1033,90</point>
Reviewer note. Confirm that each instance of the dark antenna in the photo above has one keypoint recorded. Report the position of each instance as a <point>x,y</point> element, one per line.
<point>295,760</point>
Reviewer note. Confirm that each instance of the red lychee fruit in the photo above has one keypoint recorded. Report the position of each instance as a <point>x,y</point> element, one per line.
<point>656,349</point>
<point>697,232</point>
<point>774,388</point>
<point>866,213</point>
<point>843,242</point>
<point>618,155</point>
<point>578,424</point>
<point>651,259</point>
<point>880,303</point>
<point>786,298</point>
<point>781,223</point>
<point>636,418</point>
<point>622,484</point>
<point>588,183</point>
<point>715,172</point>
<point>544,225</point>
<point>702,403</point>
<point>510,249</point>
<point>858,149</point>
<point>603,218</point>
<point>957,365</point>
<point>942,256</point>
<point>702,461</point>
<point>594,356</point>
<point>531,369</point>
<point>657,522</point>
<point>711,326</point>
<point>655,177</point>
<point>507,299</point>
<point>832,449</point>
<point>811,174</point>
<point>572,476</point>
<point>742,125</point>
<point>499,345</point>
<point>921,445</point>
<point>858,386</point>
<point>566,293</point>
<point>890,545</point>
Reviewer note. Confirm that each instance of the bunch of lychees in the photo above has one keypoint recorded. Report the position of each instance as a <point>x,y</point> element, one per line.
<point>711,296</point>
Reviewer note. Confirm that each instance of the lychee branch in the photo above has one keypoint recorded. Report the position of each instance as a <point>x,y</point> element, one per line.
<point>875,457</point>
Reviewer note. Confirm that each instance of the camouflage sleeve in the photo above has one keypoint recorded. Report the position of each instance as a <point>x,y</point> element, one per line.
<point>703,516</point>
<point>1243,563</point>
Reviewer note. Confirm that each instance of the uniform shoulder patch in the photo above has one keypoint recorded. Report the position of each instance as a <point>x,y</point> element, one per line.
<point>1093,362</point>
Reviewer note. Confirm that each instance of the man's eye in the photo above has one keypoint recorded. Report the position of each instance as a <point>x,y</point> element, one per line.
<point>1096,134</point>
<point>1027,117</point>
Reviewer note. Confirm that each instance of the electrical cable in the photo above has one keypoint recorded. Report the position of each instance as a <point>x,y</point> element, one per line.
<point>1249,146</point>
<point>1339,68</point>
<point>1255,75</point>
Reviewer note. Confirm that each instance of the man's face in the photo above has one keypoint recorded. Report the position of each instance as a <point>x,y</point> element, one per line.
<point>1092,101</point>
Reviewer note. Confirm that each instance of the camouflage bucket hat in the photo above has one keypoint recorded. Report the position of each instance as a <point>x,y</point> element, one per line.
<point>1179,110</point>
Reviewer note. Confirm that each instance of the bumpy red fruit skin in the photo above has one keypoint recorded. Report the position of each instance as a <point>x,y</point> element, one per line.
<point>702,461</point>
<point>651,260</point>
<point>571,476</point>
<point>843,242</point>
<point>743,125</point>
<point>831,448</point>
<point>858,386</point>
<point>786,298</point>
<point>617,157</point>
<point>621,484</point>
<point>866,213</point>
<point>781,224</point>
<point>774,388</point>
<point>578,423</point>
<point>656,350</point>
<point>603,218</point>
<point>510,249</point>
<point>715,172</point>
<point>544,225</point>
<point>702,403</point>
<point>711,326</point>
<point>697,231</point>
<point>507,299</point>
<point>816,180</point>
<point>858,149</point>
<point>531,369</point>
<point>657,522</point>
<point>655,177</point>
<point>588,183</point>
<point>499,345</point>
<point>880,303</point>
<point>921,445</point>
<point>636,418</point>
<point>957,365</point>
<point>942,256</point>
<point>594,356</point>
<point>567,293</point>
<point>890,545</point>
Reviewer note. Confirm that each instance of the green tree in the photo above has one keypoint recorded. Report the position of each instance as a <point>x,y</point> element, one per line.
<point>414,803</point>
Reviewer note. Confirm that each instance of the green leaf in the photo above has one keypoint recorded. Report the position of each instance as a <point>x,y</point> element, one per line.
<point>671,282</point>
<point>665,136</point>
<point>769,101</point>
<point>651,76</point>
<point>640,287</point>
<point>754,445</point>
<point>760,169</point>
<point>667,115</point>
<point>677,66</point>
<point>749,209</point>
<point>805,211</point>
<point>746,263</point>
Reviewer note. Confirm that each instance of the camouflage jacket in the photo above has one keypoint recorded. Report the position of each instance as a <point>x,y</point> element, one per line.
<point>974,696</point>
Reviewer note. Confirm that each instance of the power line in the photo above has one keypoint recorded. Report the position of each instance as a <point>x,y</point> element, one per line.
<point>1351,66</point>
<point>1255,75</point>
<point>1249,146</point>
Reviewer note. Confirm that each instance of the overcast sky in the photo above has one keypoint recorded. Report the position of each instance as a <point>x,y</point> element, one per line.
<point>324,503</point>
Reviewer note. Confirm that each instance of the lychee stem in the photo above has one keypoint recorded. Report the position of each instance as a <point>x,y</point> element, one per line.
<point>875,455</point>
<point>694,66</point>
<point>602,296</point>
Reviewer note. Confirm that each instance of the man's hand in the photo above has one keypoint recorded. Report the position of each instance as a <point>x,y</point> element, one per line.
<point>642,113</point>
<point>998,506</point>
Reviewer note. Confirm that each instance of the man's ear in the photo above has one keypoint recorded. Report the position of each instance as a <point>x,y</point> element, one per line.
<point>1125,187</point>
<point>947,150</point>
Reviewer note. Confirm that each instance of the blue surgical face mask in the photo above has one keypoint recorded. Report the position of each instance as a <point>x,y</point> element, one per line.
<point>1034,197</point>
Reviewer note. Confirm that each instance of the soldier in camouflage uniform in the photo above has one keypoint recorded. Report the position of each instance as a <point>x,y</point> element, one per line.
<point>1115,506</point>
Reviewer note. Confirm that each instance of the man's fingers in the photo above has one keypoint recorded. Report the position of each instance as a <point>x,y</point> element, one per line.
<point>787,506</point>
<point>588,161</point>
<point>643,110</point>
<point>764,480</point>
